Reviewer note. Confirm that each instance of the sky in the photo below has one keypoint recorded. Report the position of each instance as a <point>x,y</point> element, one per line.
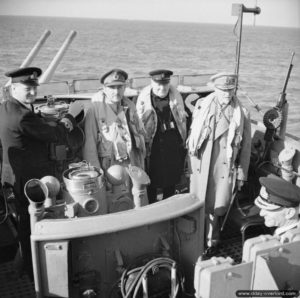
<point>281,13</point>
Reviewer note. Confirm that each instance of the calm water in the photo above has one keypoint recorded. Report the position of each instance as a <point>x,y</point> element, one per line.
<point>139,47</point>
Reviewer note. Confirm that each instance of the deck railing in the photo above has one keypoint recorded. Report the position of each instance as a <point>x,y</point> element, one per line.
<point>92,85</point>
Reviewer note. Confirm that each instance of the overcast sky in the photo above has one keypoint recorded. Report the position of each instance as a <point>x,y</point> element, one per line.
<point>283,13</point>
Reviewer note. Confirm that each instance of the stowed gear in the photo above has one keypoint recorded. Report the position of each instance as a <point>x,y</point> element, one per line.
<point>162,276</point>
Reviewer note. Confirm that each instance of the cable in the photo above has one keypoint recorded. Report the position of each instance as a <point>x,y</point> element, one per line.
<point>161,262</point>
<point>147,269</point>
<point>134,265</point>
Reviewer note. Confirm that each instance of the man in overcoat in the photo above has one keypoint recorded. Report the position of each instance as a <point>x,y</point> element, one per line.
<point>219,147</point>
<point>25,138</point>
<point>161,109</point>
<point>114,133</point>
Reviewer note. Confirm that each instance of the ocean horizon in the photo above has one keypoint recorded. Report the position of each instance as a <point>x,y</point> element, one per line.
<point>140,20</point>
<point>141,46</point>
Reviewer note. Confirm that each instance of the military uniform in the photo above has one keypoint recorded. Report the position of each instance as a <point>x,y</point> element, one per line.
<point>219,147</point>
<point>113,138</point>
<point>25,138</point>
<point>277,194</point>
<point>164,120</point>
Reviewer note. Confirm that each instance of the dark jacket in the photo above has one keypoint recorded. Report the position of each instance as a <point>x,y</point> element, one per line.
<point>25,138</point>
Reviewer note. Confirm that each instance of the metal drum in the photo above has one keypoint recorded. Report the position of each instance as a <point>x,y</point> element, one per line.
<point>85,186</point>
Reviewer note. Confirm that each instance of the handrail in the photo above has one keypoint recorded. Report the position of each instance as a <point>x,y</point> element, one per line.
<point>48,74</point>
<point>72,228</point>
<point>76,86</point>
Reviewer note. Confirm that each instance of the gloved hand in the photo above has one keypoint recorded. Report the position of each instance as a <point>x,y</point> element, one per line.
<point>75,108</point>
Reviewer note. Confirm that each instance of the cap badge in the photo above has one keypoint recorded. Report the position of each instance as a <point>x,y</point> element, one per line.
<point>33,76</point>
<point>116,76</point>
<point>230,81</point>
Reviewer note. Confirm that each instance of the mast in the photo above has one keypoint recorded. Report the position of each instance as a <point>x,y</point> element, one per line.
<point>254,18</point>
<point>239,10</point>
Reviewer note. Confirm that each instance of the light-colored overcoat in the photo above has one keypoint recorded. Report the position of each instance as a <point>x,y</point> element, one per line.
<point>212,178</point>
<point>101,129</point>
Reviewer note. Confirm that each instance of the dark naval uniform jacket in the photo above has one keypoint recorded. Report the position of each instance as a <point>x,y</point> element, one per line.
<point>25,138</point>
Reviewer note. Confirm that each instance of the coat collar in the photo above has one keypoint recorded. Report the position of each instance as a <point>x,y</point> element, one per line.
<point>27,107</point>
<point>222,124</point>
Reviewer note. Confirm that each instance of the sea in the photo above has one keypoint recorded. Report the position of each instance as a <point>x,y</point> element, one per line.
<point>141,46</point>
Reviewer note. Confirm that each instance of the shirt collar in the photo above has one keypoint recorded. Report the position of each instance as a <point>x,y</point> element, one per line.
<point>157,98</point>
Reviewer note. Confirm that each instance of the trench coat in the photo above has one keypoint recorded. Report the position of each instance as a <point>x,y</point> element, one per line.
<point>101,148</point>
<point>212,180</point>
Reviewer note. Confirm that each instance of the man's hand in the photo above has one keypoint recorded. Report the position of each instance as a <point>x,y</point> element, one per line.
<point>239,184</point>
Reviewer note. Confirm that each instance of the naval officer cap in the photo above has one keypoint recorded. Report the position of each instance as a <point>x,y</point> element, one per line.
<point>161,75</point>
<point>224,80</point>
<point>114,77</point>
<point>26,75</point>
<point>276,193</point>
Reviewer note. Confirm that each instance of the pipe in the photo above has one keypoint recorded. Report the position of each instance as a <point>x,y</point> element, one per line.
<point>53,187</point>
<point>36,269</point>
<point>238,10</point>
<point>173,280</point>
<point>34,51</point>
<point>36,192</point>
<point>140,180</point>
<point>48,74</point>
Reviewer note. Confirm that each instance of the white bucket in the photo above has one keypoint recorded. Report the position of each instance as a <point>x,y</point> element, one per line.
<point>85,186</point>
